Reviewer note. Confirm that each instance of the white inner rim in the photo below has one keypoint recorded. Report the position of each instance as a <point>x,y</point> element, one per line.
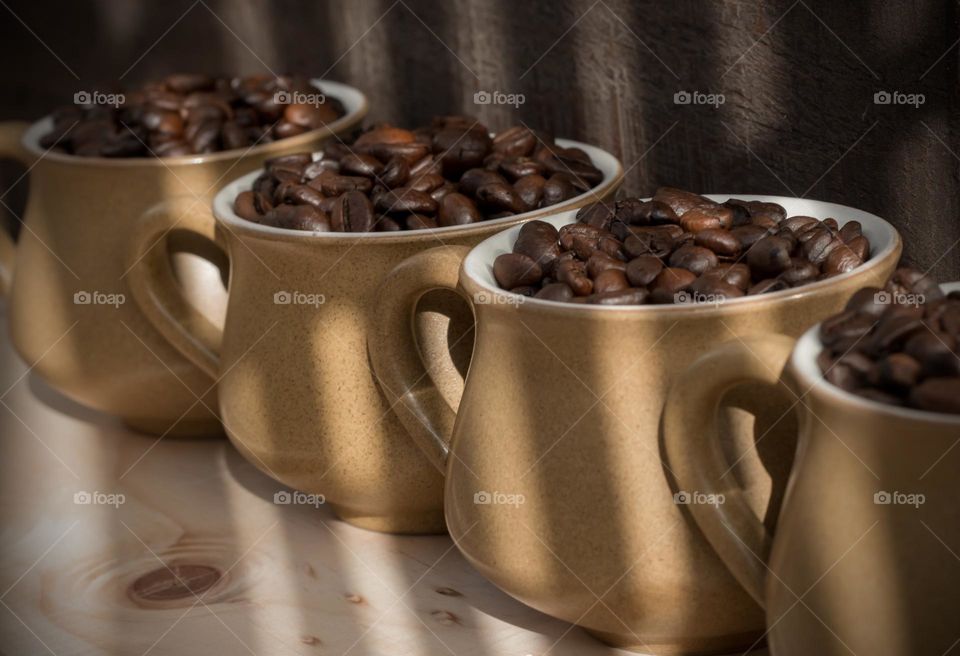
<point>478,265</point>
<point>804,363</point>
<point>353,101</point>
<point>223,203</point>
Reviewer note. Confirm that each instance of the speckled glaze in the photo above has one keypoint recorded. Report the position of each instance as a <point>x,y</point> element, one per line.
<point>80,215</point>
<point>296,391</point>
<point>874,578</point>
<point>562,406</point>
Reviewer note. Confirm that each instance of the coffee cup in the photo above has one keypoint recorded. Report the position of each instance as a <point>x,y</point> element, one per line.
<point>555,484</point>
<point>296,392</point>
<point>863,559</point>
<point>71,315</point>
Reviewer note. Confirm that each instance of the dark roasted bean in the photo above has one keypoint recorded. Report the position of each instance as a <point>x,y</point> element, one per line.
<point>515,270</point>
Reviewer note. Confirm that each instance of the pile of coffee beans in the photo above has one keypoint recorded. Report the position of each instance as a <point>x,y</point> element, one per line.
<point>897,345</point>
<point>191,114</point>
<point>449,173</point>
<point>678,247</point>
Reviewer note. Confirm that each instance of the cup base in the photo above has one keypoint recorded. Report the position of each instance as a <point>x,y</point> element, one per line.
<point>428,523</point>
<point>182,428</point>
<point>680,647</point>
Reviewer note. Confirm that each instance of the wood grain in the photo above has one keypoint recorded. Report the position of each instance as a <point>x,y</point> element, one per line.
<point>798,79</point>
<point>197,558</point>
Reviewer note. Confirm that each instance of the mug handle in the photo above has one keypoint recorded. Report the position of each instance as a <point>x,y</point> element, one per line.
<point>395,355</point>
<point>155,289</point>
<point>696,459</point>
<point>11,145</point>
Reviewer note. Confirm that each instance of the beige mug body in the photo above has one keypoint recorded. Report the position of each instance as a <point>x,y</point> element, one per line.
<point>72,318</point>
<point>864,556</point>
<point>555,485</point>
<point>297,395</point>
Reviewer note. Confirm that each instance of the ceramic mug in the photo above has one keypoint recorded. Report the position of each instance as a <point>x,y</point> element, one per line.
<point>555,485</point>
<point>71,317</point>
<point>296,392</point>
<point>864,559</point>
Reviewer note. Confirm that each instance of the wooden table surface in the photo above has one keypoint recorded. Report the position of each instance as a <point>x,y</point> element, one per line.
<point>115,543</point>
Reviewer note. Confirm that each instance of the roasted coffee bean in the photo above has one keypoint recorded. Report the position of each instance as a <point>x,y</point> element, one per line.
<point>749,235</point>
<point>628,296</point>
<point>769,257</point>
<point>530,190</point>
<point>557,189</point>
<point>736,274</point>
<point>518,141</point>
<point>610,280</point>
<point>909,352</point>
<point>937,395</point>
<point>457,209</point>
<point>365,165</point>
<point>190,114</point>
<point>514,270</point>
<point>519,167</point>
<point>598,215</point>
<point>539,240</point>
<point>500,197</point>
<point>799,272</point>
<point>555,291</point>
<point>721,242</point>
<point>406,199</point>
<point>573,272</point>
<point>693,258</point>
<point>352,213</point>
<point>419,222</point>
<point>297,217</point>
<point>473,179</point>
<point>681,201</point>
<point>244,206</point>
<point>600,261</point>
<point>682,242</point>
<point>669,282</point>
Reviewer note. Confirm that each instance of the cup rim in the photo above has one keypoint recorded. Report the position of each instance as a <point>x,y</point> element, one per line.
<point>477,267</point>
<point>611,167</point>
<point>354,101</point>
<point>803,362</point>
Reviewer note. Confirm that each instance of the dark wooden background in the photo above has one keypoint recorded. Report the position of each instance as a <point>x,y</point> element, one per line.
<point>799,79</point>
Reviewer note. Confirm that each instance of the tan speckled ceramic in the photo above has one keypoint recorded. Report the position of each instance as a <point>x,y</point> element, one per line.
<point>297,395</point>
<point>70,311</point>
<point>864,560</point>
<point>555,486</point>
